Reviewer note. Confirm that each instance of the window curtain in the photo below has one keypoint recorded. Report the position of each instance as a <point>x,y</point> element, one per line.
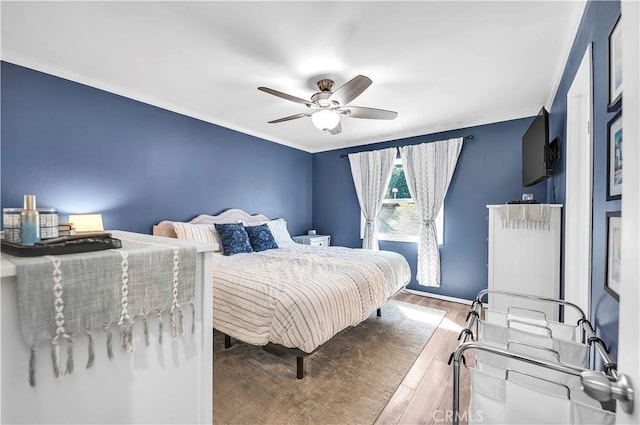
<point>428,168</point>
<point>371,173</point>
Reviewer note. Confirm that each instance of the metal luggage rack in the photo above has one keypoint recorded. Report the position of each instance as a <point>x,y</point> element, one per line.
<point>603,386</point>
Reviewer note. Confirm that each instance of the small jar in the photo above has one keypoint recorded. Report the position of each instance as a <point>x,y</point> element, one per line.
<point>48,223</point>
<point>11,221</point>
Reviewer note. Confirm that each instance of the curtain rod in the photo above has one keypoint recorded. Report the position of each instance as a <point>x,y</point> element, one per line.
<point>469,137</point>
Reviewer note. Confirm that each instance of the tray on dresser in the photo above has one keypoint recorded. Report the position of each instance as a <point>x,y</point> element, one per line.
<point>63,245</point>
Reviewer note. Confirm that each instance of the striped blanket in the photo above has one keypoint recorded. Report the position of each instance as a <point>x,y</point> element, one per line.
<point>300,296</point>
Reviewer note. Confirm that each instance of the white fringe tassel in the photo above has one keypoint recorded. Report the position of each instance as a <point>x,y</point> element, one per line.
<point>55,357</point>
<point>107,330</point>
<point>32,367</point>
<point>193,317</point>
<point>172,319</point>
<point>92,354</point>
<point>127,336</point>
<point>145,326</point>
<point>160,326</point>
<point>70,363</point>
<point>180,322</point>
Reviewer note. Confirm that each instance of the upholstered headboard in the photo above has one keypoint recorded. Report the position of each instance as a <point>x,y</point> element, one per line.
<point>232,215</point>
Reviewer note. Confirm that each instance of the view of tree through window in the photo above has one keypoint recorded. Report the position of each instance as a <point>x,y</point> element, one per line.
<point>398,215</point>
<point>399,219</point>
<point>399,183</point>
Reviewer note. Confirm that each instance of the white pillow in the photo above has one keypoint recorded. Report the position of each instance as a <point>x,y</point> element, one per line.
<point>279,231</point>
<point>199,233</point>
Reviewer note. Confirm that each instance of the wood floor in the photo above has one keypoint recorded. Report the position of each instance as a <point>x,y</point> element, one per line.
<point>425,394</point>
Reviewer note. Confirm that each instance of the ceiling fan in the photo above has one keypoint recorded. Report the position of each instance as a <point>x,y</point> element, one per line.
<point>328,105</point>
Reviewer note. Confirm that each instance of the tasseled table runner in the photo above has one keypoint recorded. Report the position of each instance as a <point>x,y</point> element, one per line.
<point>525,216</point>
<point>62,298</point>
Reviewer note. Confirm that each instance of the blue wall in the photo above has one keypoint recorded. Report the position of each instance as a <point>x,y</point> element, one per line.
<point>598,19</point>
<point>80,149</point>
<point>488,172</point>
<point>84,150</point>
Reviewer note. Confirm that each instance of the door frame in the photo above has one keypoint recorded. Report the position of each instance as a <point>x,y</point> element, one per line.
<point>579,190</point>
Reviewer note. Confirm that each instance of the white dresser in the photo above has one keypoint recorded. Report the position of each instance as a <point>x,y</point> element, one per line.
<point>313,240</point>
<point>524,254</point>
<point>162,383</point>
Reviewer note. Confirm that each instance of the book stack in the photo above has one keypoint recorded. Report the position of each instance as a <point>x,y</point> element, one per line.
<point>66,229</point>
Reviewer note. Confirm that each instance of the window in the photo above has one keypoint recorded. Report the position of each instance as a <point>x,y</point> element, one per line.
<point>399,219</point>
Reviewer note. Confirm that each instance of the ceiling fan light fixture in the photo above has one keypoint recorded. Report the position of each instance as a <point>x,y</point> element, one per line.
<point>328,104</point>
<point>325,120</point>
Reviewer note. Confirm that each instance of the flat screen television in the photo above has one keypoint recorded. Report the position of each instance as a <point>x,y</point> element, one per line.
<point>538,155</point>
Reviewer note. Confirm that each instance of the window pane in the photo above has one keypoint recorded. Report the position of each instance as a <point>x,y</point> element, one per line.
<point>400,221</point>
<point>399,218</point>
<point>398,188</point>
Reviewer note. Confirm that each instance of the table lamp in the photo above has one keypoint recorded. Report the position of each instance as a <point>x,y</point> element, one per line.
<point>85,223</point>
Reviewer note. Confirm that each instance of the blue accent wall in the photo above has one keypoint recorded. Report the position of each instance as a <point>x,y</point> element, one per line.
<point>489,171</point>
<point>81,149</point>
<point>597,21</point>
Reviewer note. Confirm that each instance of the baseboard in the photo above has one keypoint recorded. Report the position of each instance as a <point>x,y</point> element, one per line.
<point>439,297</point>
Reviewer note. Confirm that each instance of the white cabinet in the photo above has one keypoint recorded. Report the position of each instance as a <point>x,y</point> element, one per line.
<point>524,254</point>
<point>313,240</point>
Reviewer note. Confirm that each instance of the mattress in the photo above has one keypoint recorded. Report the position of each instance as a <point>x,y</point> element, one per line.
<point>299,296</point>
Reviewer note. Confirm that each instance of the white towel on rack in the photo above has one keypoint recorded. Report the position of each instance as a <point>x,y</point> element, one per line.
<point>568,352</point>
<point>495,400</point>
<point>525,216</point>
<point>558,330</point>
<point>497,365</point>
<point>585,414</point>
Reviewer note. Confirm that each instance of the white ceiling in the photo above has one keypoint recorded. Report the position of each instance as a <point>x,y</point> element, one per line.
<point>441,65</point>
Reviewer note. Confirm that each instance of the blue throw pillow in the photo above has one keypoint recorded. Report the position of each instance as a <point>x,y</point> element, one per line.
<point>261,238</point>
<point>234,238</point>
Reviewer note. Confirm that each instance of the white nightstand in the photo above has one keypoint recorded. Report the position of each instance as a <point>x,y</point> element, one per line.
<point>313,240</point>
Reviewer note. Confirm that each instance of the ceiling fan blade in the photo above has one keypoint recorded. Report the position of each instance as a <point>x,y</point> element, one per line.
<point>370,113</point>
<point>336,130</point>
<point>351,89</point>
<point>285,96</point>
<point>289,118</point>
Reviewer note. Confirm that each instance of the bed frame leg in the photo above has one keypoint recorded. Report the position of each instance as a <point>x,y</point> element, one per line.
<point>227,341</point>
<point>379,312</point>
<point>300,367</point>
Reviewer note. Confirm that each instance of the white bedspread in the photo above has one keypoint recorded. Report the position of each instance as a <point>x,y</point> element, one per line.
<point>300,296</point>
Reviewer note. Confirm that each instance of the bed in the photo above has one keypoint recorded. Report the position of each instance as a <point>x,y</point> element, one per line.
<point>296,297</point>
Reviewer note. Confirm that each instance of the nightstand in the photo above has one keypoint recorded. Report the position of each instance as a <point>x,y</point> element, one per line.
<point>313,240</point>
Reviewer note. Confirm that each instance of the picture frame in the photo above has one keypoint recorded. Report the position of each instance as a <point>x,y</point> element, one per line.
<point>615,66</point>
<point>614,157</point>
<point>614,236</point>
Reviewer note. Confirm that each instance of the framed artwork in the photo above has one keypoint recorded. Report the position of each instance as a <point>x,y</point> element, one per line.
<point>615,66</point>
<point>614,235</point>
<point>614,157</point>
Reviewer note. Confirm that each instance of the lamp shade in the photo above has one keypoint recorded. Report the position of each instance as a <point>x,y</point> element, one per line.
<point>325,120</point>
<point>87,222</point>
